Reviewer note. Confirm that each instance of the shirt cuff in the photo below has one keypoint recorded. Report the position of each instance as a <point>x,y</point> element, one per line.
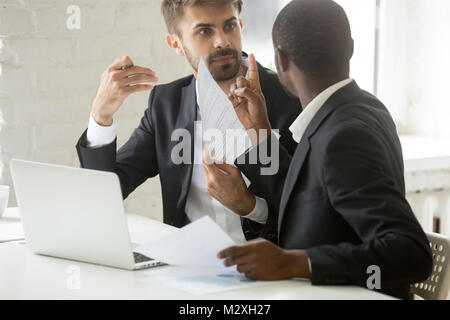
<point>309,265</point>
<point>276,134</point>
<point>99,136</point>
<point>260,212</point>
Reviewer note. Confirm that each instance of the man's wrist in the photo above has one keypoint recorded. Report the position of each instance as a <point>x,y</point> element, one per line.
<point>104,121</point>
<point>259,134</point>
<point>297,265</point>
<point>247,205</point>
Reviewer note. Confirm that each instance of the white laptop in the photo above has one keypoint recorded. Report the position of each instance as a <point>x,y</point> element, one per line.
<point>75,214</point>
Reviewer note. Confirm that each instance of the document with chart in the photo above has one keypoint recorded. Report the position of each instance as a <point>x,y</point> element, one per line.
<point>200,281</point>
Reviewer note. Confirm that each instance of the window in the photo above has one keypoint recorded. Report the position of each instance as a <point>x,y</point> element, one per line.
<point>415,64</point>
<point>401,55</point>
<point>259,16</point>
<point>362,16</point>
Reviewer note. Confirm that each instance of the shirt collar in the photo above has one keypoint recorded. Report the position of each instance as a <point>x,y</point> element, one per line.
<point>302,122</point>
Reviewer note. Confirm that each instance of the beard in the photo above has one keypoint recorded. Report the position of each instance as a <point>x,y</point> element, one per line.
<point>223,72</point>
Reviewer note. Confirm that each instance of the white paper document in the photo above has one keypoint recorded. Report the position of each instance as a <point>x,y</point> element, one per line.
<point>195,245</point>
<point>205,280</point>
<point>222,130</point>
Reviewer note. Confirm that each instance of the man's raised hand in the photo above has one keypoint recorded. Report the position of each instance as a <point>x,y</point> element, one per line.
<point>121,79</point>
<point>249,102</point>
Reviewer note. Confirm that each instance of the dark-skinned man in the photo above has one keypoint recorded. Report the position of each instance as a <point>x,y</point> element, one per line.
<point>341,197</point>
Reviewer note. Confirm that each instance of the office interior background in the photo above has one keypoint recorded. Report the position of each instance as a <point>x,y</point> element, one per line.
<point>49,74</point>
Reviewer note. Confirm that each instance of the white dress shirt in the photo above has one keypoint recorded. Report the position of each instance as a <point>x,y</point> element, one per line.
<point>302,122</point>
<point>199,203</point>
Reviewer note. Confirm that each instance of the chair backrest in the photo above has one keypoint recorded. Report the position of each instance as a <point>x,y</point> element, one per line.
<point>437,285</point>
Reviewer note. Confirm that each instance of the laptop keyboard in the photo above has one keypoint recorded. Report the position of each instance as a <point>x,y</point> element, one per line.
<point>138,258</point>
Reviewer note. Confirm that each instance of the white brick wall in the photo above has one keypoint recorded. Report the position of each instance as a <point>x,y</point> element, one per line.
<point>49,75</point>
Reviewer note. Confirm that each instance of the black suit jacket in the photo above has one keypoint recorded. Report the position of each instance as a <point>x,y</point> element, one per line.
<point>148,151</point>
<point>343,199</point>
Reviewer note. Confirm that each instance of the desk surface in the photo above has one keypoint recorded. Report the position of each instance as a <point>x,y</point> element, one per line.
<point>24,275</point>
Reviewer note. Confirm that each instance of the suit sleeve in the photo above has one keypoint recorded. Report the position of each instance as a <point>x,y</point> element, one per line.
<point>364,194</point>
<point>135,161</point>
<point>266,167</point>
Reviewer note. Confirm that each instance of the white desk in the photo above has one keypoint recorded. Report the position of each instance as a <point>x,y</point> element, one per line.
<point>24,275</point>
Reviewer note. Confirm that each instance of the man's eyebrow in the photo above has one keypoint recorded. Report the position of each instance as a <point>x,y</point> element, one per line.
<point>230,20</point>
<point>204,25</point>
<point>210,25</point>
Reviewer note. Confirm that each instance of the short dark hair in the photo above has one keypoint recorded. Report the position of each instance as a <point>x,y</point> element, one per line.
<point>172,10</point>
<point>315,35</point>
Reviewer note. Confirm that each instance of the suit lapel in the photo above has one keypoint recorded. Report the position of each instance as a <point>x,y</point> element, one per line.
<point>186,118</point>
<point>342,96</point>
<point>294,169</point>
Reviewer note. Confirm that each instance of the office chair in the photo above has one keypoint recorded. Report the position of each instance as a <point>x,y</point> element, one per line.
<point>437,285</point>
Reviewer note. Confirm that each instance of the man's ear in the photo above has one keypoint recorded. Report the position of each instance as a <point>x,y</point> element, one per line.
<point>352,49</point>
<point>241,24</point>
<point>282,60</point>
<point>175,44</point>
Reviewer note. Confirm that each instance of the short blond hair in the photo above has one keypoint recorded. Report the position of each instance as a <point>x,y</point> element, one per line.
<point>172,10</point>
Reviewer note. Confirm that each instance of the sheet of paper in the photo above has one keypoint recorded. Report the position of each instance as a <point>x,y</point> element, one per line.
<point>195,245</point>
<point>205,280</point>
<point>219,120</point>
